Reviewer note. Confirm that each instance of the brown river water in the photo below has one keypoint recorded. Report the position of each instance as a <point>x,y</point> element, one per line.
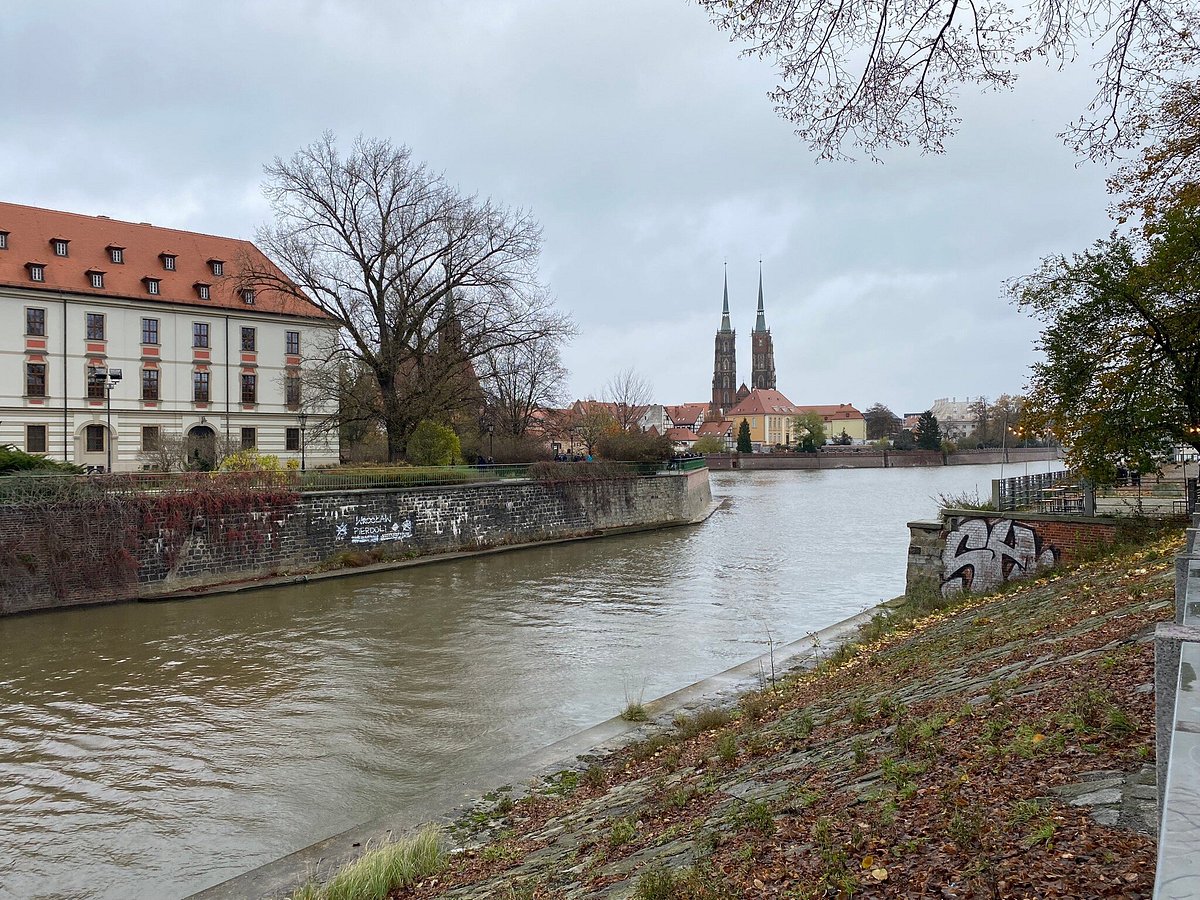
<point>151,750</point>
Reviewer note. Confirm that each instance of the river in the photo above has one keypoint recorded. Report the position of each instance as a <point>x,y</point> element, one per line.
<point>151,750</point>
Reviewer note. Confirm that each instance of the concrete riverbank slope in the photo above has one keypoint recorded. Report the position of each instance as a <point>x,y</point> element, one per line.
<point>866,457</point>
<point>77,550</point>
<point>1002,746</point>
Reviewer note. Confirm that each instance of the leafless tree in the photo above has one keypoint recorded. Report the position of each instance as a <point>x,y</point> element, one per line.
<point>518,381</point>
<point>630,394</point>
<point>424,281</point>
<point>592,422</point>
<point>166,453</point>
<point>883,73</point>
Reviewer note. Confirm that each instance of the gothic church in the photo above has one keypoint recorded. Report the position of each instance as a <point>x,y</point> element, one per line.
<point>762,349</point>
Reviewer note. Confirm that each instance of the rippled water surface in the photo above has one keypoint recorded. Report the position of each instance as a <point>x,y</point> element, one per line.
<point>151,750</point>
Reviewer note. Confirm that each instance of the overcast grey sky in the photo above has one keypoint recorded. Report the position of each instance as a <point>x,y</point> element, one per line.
<point>634,132</point>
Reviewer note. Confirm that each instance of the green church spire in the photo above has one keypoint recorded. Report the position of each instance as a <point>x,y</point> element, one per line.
<point>761,324</point>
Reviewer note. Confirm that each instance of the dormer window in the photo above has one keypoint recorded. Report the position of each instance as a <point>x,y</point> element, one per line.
<point>3,240</point>
<point>217,266</point>
<point>37,271</point>
<point>96,277</point>
<point>202,290</point>
<point>59,245</point>
<point>116,255</point>
<point>168,260</point>
<point>151,285</point>
<point>248,296</point>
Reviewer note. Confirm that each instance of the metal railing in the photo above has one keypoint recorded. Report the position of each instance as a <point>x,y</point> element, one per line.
<point>1031,491</point>
<point>53,486</point>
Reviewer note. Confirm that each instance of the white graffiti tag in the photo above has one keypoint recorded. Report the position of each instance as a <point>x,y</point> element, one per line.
<point>981,555</point>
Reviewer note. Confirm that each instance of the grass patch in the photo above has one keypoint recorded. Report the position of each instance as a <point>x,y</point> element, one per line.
<point>634,712</point>
<point>378,872</point>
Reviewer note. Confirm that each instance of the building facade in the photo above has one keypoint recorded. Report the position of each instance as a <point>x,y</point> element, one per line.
<point>204,361</point>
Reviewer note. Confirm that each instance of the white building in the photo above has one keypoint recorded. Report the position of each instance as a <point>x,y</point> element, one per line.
<point>201,359</point>
<point>956,419</point>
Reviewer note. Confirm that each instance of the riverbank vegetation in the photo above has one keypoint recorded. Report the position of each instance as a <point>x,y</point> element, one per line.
<point>377,873</point>
<point>997,745</point>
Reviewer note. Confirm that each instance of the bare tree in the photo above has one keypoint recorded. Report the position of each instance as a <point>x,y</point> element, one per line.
<point>165,453</point>
<point>424,281</point>
<point>630,394</point>
<point>521,380</point>
<point>881,422</point>
<point>884,73</point>
<point>592,422</point>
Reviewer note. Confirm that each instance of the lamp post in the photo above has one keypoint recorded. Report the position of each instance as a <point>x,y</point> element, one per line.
<point>108,378</point>
<point>303,418</point>
<point>491,443</point>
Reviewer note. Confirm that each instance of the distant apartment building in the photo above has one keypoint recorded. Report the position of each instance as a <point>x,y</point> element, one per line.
<point>202,357</point>
<point>955,417</point>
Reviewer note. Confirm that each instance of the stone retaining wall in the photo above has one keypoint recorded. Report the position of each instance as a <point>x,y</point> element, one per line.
<point>125,548</point>
<point>871,458</point>
<point>976,550</point>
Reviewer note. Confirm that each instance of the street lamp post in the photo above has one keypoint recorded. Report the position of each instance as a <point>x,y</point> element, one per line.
<point>491,443</point>
<point>303,417</point>
<point>108,378</point>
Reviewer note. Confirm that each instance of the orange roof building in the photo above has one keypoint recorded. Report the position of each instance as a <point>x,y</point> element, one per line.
<point>201,355</point>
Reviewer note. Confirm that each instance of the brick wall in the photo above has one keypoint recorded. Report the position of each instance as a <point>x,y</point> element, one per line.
<point>981,550</point>
<point>75,554</point>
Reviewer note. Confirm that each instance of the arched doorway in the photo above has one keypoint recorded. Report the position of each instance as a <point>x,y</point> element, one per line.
<point>92,446</point>
<point>202,448</point>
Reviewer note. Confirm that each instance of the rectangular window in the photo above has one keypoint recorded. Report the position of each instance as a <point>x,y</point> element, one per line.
<point>95,326</point>
<point>60,248</point>
<point>202,290</point>
<point>37,273</point>
<point>3,240</point>
<point>35,379</point>
<point>97,279</point>
<point>95,383</point>
<point>149,331</point>
<point>249,440</point>
<point>292,439</point>
<point>95,438</point>
<point>151,437</point>
<point>35,321</point>
<point>249,339</point>
<point>291,390</point>
<point>218,267</point>
<point>249,388</point>
<point>291,341</point>
<point>200,334</point>
<point>117,255</point>
<point>35,438</point>
<point>152,285</point>
<point>168,262</point>
<point>248,296</point>
<point>200,387</point>
<point>149,384</point>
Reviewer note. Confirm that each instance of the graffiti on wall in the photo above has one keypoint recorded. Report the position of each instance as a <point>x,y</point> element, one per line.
<point>375,528</point>
<point>982,554</point>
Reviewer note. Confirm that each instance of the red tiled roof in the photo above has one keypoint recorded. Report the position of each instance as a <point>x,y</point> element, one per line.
<point>833,412</point>
<point>31,231</point>
<point>681,435</point>
<point>720,429</point>
<point>762,402</point>
<point>686,413</point>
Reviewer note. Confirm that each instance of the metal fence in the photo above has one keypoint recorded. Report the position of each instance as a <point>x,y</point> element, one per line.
<point>53,486</point>
<point>1035,491</point>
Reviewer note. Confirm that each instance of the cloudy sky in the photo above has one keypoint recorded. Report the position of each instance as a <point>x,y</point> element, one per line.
<point>632,129</point>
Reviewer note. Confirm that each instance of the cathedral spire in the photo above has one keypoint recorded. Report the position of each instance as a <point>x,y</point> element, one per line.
<point>725,326</point>
<point>761,324</point>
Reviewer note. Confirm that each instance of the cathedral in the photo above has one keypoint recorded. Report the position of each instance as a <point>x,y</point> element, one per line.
<point>762,351</point>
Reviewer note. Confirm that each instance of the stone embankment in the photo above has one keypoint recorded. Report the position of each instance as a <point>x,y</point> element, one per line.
<point>73,552</point>
<point>872,458</point>
<point>1001,747</point>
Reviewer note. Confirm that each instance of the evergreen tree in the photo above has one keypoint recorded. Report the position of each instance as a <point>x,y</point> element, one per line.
<point>743,438</point>
<point>929,433</point>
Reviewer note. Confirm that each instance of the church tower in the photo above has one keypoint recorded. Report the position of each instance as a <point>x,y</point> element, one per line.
<point>724,364</point>
<point>762,348</point>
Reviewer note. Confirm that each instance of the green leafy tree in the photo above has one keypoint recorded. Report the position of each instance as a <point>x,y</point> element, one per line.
<point>710,443</point>
<point>1120,383</point>
<point>432,444</point>
<point>929,433</point>
<point>744,444</point>
<point>810,432</point>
